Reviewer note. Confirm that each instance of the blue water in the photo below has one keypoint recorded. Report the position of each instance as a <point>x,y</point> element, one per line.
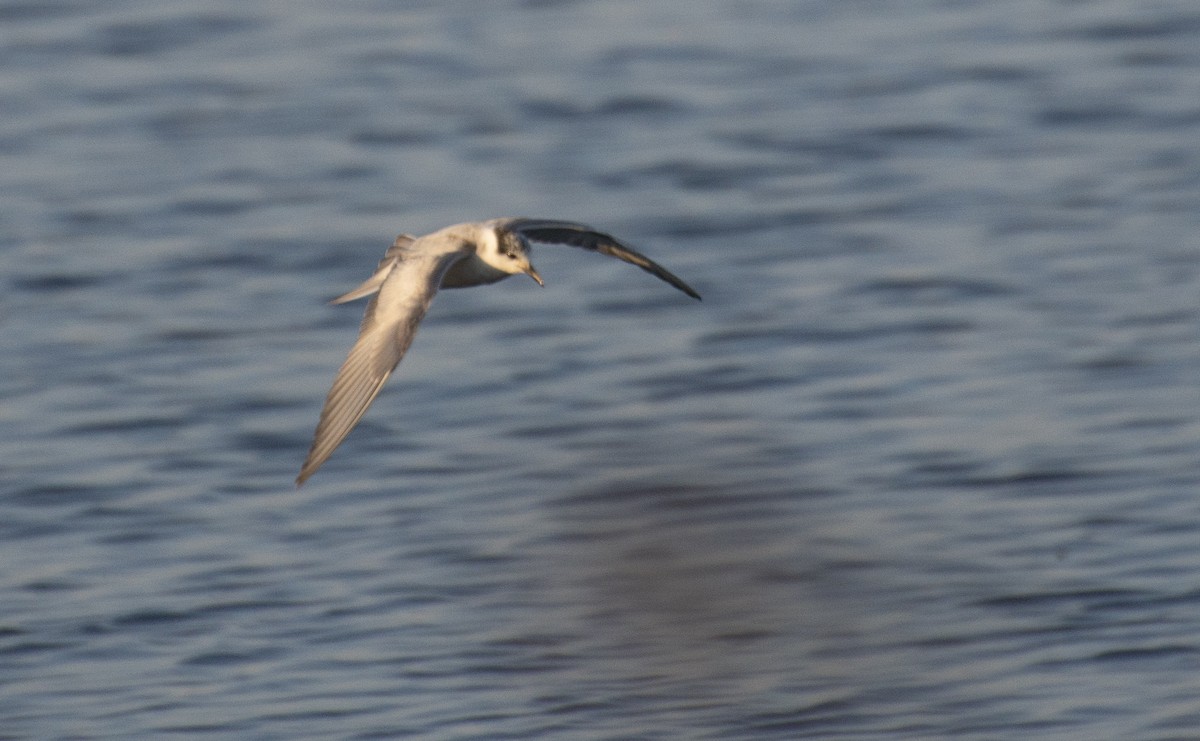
<point>924,463</point>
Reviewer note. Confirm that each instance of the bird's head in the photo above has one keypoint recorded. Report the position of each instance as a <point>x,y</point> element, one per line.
<point>508,252</point>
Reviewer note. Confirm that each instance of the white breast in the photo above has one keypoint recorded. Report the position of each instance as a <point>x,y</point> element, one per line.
<point>471,271</point>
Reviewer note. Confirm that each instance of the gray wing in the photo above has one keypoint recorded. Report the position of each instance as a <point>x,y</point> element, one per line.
<point>581,235</point>
<point>387,331</point>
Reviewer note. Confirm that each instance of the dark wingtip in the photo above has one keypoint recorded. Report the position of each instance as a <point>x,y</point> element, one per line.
<point>685,288</point>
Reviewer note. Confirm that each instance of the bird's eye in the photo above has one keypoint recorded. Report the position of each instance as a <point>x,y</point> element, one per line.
<point>510,255</point>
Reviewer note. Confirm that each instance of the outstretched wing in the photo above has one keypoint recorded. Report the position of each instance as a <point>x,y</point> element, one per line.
<point>581,235</point>
<point>388,328</point>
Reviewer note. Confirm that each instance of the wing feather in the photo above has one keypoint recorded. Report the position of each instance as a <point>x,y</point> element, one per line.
<point>585,237</point>
<point>387,331</point>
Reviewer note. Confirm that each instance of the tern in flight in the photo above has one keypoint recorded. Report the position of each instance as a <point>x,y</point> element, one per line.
<point>412,270</point>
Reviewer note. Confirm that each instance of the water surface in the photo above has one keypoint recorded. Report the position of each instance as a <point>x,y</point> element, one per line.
<point>923,464</point>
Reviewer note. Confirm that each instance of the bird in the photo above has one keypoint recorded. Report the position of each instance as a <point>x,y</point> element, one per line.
<point>404,284</point>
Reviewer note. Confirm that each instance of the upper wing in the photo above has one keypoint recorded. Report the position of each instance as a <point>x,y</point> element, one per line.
<point>387,331</point>
<point>581,235</point>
